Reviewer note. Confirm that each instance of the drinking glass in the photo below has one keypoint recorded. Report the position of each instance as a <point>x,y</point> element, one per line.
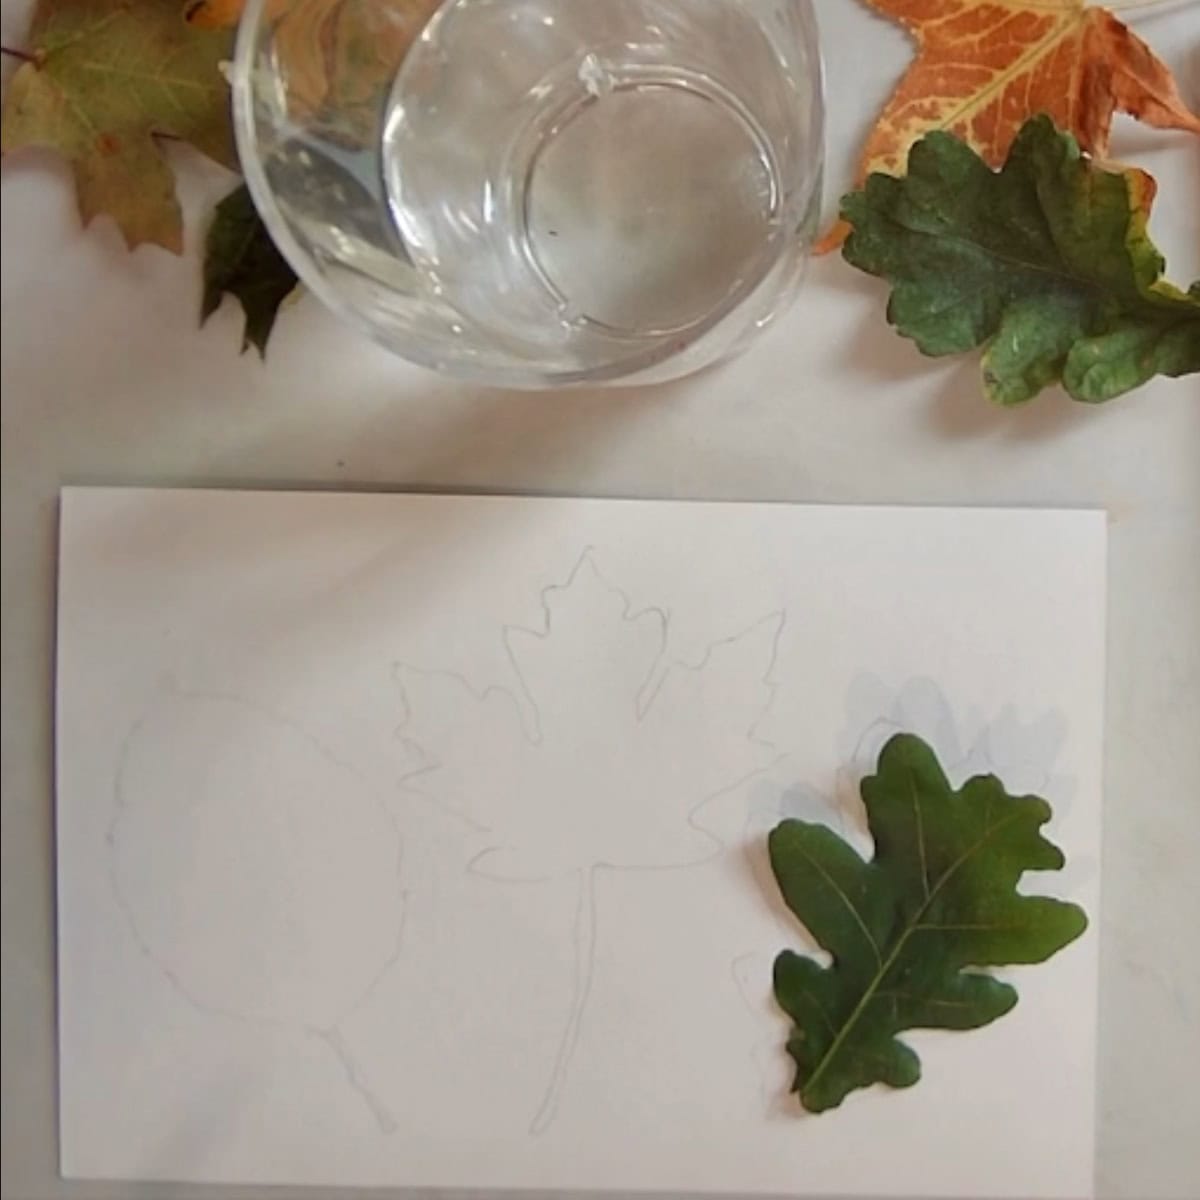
<point>537,193</point>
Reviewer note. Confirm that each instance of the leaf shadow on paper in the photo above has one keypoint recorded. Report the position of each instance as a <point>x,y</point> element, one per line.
<point>601,757</point>
<point>258,871</point>
<point>1023,753</point>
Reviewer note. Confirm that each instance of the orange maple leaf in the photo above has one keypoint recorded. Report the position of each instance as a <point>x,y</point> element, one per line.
<point>984,67</point>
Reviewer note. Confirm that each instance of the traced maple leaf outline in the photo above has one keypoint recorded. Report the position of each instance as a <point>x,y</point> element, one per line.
<point>602,759</point>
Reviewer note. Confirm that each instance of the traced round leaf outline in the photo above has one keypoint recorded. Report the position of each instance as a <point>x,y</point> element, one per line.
<point>169,958</point>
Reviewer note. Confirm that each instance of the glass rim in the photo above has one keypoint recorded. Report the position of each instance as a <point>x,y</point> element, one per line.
<point>410,346</point>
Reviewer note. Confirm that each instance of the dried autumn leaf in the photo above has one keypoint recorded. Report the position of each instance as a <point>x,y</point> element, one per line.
<point>105,81</point>
<point>1046,263</point>
<point>984,67</point>
<point>909,930</point>
<point>241,260</point>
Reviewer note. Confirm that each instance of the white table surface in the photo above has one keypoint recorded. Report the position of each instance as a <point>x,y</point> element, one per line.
<point>107,380</point>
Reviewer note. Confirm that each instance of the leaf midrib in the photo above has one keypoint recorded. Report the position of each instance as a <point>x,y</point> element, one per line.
<point>1027,61</point>
<point>1063,275</point>
<point>860,921</point>
<point>910,928</point>
<point>66,57</point>
<point>159,79</point>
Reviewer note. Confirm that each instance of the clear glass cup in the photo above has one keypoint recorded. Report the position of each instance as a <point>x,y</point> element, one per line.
<point>536,193</point>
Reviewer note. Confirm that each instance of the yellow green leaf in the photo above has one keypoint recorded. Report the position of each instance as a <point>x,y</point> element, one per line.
<point>105,83</point>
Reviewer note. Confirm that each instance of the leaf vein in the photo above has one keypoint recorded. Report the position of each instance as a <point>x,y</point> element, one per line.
<point>873,987</point>
<point>833,883</point>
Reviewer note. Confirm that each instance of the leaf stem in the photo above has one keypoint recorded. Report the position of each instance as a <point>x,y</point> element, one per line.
<point>585,955</point>
<point>22,55</point>
<point>332,1037</point>
<point>866,999</point>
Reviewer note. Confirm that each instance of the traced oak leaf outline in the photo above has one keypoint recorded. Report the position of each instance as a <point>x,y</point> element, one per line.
<point>602,759</point>
<point>969,741</point>
<point>1026,752</point>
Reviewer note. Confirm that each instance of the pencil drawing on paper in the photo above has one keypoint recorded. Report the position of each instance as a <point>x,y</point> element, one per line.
<point>600,758</point>
<point>258,871</point>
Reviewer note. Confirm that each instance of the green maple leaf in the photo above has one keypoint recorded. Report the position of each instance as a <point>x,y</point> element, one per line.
<point>241,260</point>
<point>105,81</point>
<point>907,929</point>
<point>1046,263</point>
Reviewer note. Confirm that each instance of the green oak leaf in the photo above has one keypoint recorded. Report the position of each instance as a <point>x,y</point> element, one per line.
<point>1045,263</point>
<point>241,260</point>
<point>908,930</point>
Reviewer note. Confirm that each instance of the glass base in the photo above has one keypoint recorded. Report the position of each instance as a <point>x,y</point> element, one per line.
<point>648,203</point>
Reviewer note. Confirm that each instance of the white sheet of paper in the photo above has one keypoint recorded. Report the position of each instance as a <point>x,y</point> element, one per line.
<point>418,840</point>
